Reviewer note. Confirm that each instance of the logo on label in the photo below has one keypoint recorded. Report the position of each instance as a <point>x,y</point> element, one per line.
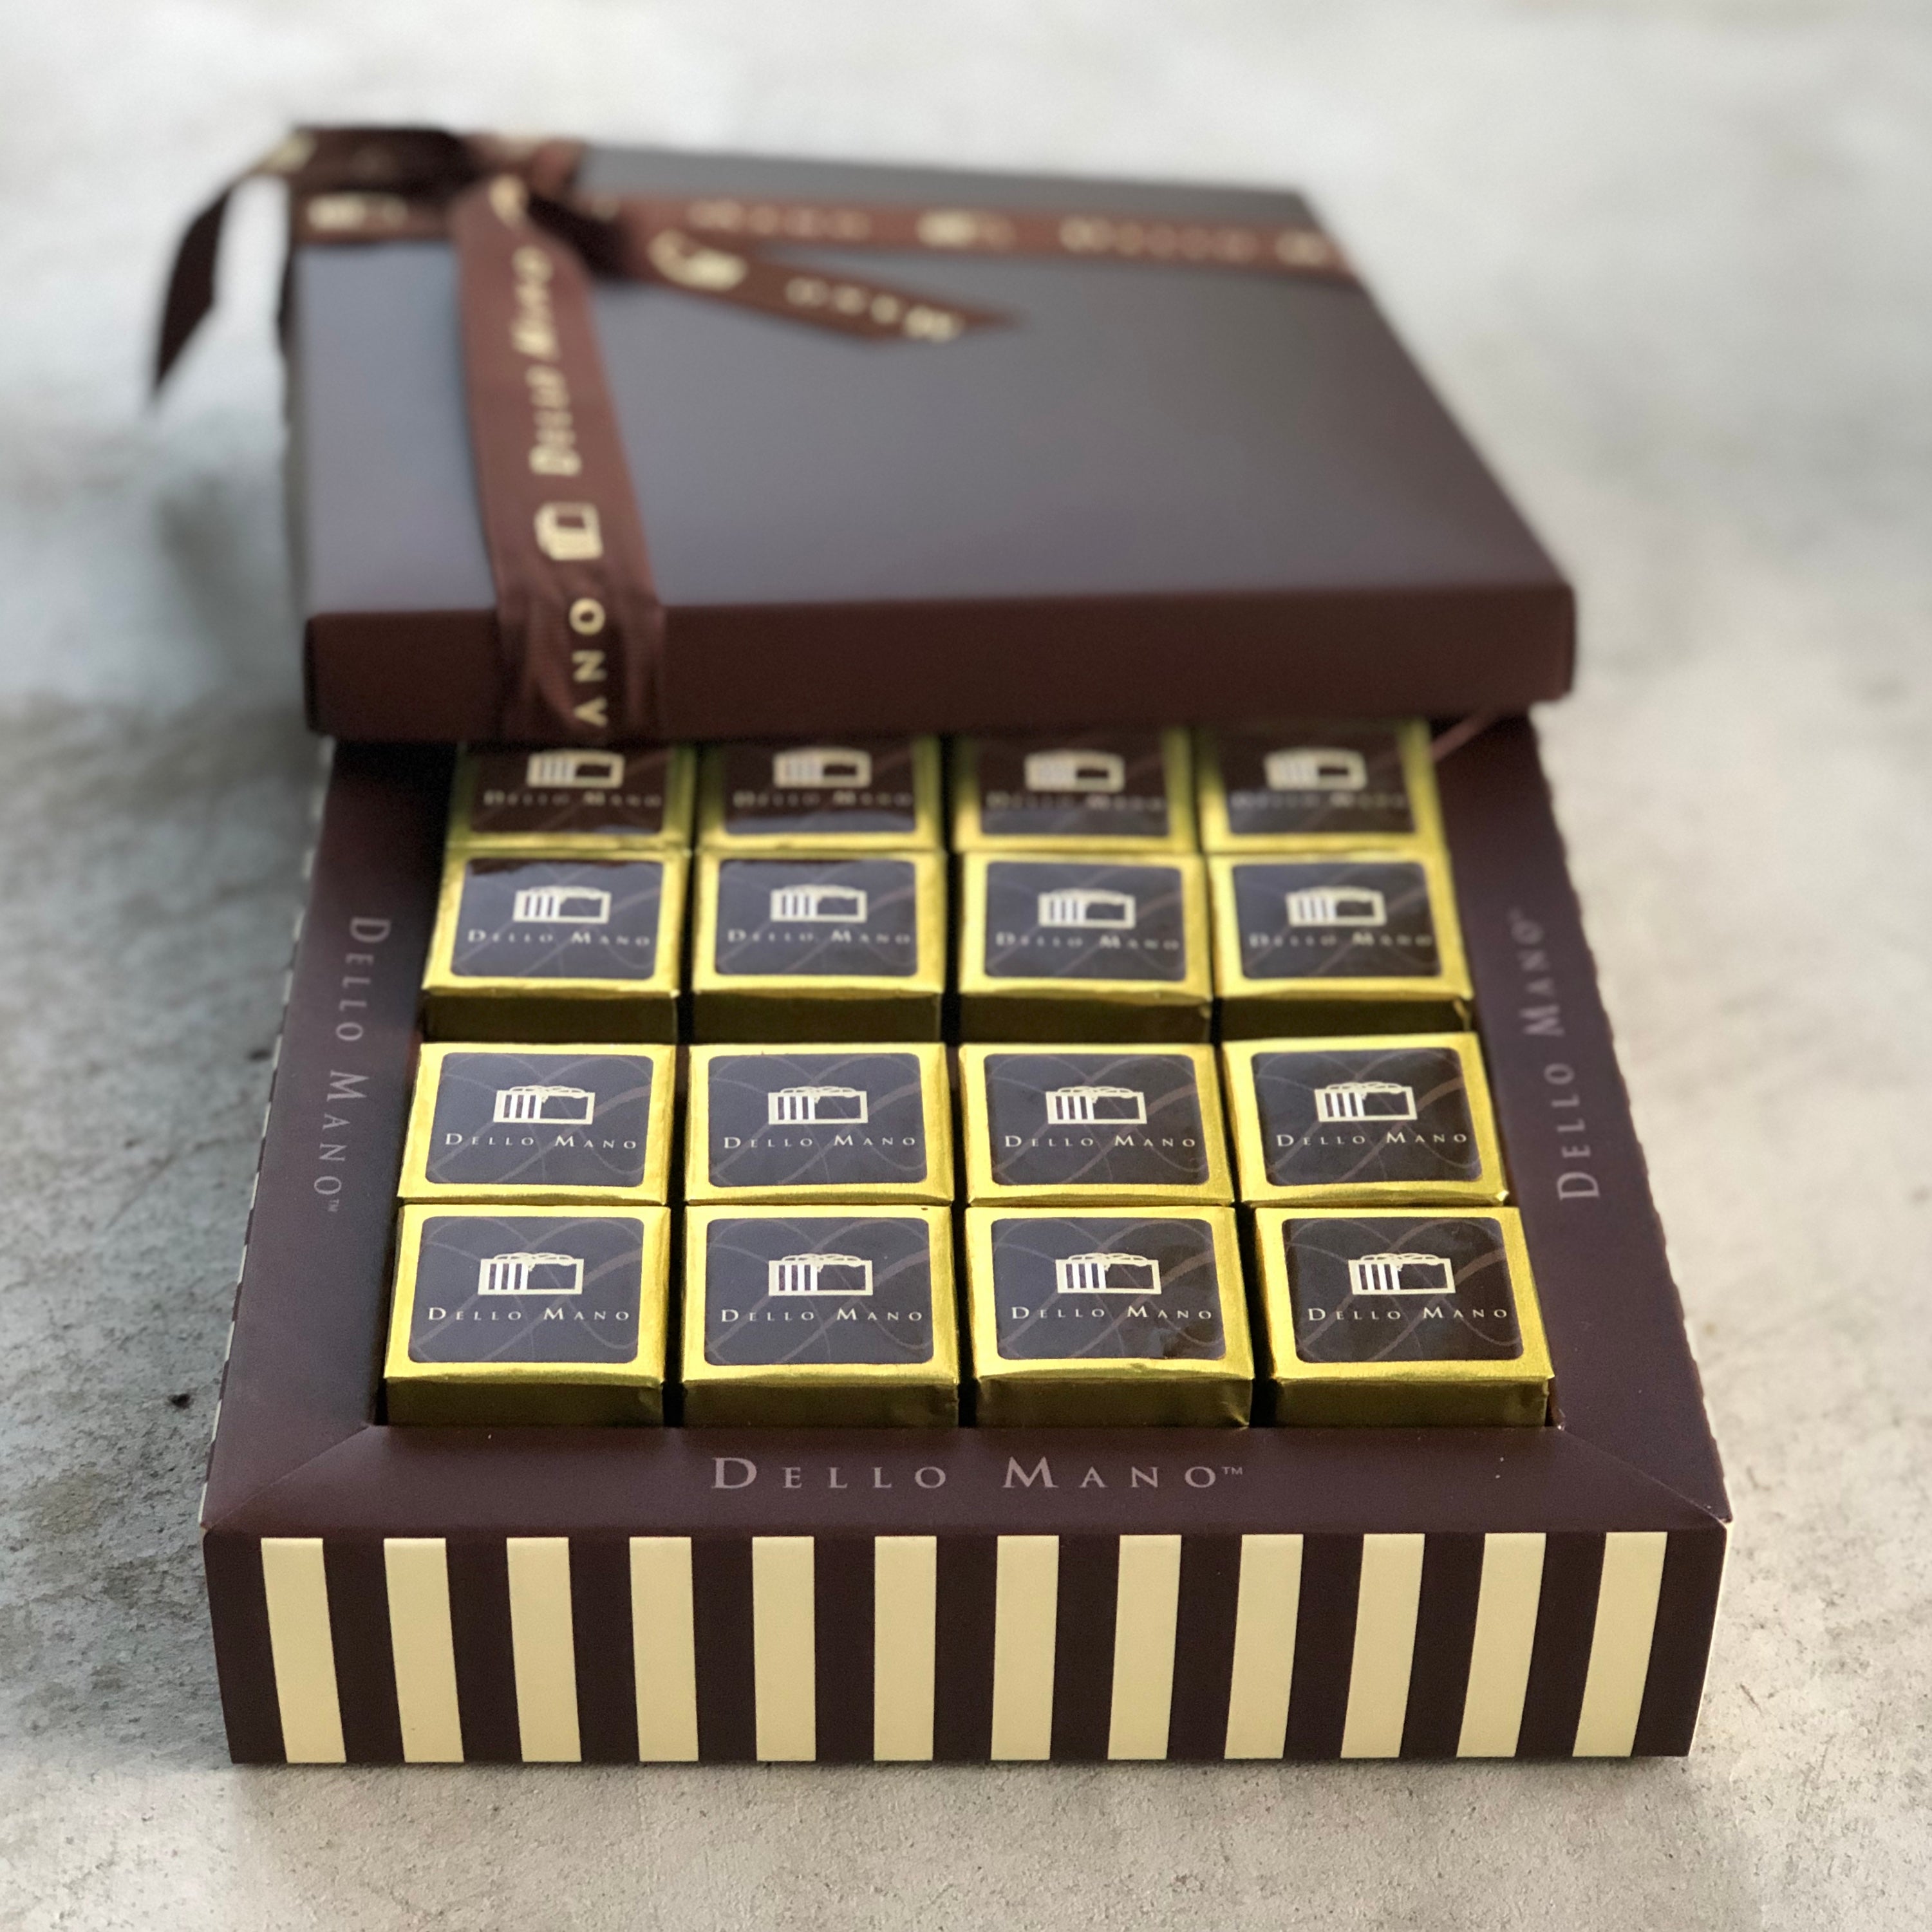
<point>1365,1100</point>
<point>832,905</point>
<point>819,1274</point>
<point>1402,1274</point>
<point>844,1106</point>
<point>1106,1273</point>
<point>561,905</point>
<point>552,1106</point>
<point>576,771</point>
<point>1337,905</point>
<point>1089,907</point>
<point>1075,771</point>
<point>1087,1106</point>
<point>817,767</point>
<point>526,1274</point>
<point>1316,768</point>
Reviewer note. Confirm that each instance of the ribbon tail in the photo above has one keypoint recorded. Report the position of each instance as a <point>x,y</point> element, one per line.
<point>190,292</point>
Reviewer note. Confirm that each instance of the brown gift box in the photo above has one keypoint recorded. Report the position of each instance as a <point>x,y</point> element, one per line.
<point>384,1593</point>
<point>1144,464</point>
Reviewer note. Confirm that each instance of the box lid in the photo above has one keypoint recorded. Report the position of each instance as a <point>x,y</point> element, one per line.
<point>1164,492</point>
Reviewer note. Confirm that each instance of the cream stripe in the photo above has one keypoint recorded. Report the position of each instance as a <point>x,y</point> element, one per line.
<point>423,1646</point>
<point>1385,1646</point>
<point>542,1645</point>
<point>1620,1645</point>
<point>663,1649</point>
<point>1146,1605</point>
<point>1025,1600</point>
<point>905,1608</point>
<point>783,1650</point>
<point>1265,1618</point>
<point>297,1589</point>
<point>1499,1653</point>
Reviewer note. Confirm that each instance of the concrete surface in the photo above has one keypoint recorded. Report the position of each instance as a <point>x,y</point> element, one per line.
<point>1670,261</point>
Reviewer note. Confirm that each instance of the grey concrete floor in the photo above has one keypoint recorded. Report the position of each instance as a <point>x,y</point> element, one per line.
<point>1670,261</point>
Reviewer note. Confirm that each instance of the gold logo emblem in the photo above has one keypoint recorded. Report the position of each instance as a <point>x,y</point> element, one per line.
<point>569,532</point>
<point>692,265</point>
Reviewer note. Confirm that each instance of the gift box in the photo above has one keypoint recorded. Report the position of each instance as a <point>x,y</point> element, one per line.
<point>388,1592</point>
<point>596,449</point>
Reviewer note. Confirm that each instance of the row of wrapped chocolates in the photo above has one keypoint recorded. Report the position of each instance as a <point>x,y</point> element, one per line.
<point>819,906</point>
<point>1075,946</point>
<point>1374,1121</point>
<point>1095,1317</point>
<point>1312,785</point>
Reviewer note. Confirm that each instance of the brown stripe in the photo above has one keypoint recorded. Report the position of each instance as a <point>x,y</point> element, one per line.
<point>1203,1645</point>
<point>841,1592</point>
<point>365,1666</point>
<point>244,1662</point>
<point>600,1624</point>
<point>962,1713</point>
<point>1325,1646</point>
<point>1686,1606</point>
<point>1445,1634</point>
<point>486,1671</point>
<point>1083,1646</point>
<point>720,1602</point>
<point>1566,1621</point>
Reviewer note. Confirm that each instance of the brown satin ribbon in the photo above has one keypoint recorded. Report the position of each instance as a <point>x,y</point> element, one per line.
<point>579,622</point>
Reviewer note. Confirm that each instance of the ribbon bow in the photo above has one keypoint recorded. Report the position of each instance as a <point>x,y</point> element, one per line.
<point>579,626</point>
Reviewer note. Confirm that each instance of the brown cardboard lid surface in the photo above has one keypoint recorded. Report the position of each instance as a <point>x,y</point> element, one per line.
<point>1019,525</point>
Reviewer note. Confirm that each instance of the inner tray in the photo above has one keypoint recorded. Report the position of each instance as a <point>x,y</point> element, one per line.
<point>387,1594</point>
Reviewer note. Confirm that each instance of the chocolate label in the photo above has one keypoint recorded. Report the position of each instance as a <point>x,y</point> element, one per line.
<point>844,785</point>
<point>818,918</point>
<point>1102,1290</point>
<point>1071,920</point>
<point>1313,919</point>
<point>1314,777</point>
<point>1366,1116</point>
<point>517,1120</point>
<point>1103,1120</point>
<point>1391,1288</point>
<point>1088,784</point>
<point>527,1287</point>
<point>556,918</point>
<point>817,1120</point>
<point>581,791</point>
<point>826,1289</point>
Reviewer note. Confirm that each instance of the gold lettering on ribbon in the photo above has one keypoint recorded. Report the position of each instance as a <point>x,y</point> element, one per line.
<point>691,265</point>
<point>587,619</point>
<point>355,214</point>
<point>509,199</point>
<point>964,228</point>
<point>570,532</point>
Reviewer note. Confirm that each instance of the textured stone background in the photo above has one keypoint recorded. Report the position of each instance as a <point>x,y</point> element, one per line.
<point>1669,261</point>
